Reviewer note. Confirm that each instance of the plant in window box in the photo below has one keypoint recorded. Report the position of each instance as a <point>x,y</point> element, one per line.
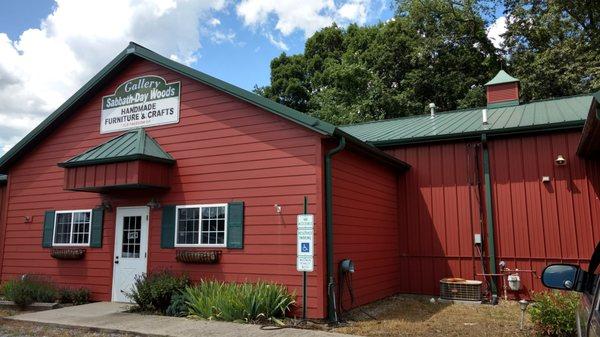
<point>198,256</point>
<point>68,253</point>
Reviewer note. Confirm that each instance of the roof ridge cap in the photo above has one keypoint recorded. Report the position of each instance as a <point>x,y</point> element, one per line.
<point>414,116</point>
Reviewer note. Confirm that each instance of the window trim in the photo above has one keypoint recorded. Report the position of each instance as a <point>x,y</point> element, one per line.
<point>207,245</point>
<point>70,244</point>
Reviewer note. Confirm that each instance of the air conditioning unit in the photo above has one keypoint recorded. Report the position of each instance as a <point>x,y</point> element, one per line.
<point>458,289</point>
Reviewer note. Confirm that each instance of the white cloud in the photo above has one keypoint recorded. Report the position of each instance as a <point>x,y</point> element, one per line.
<point>354,11</point>
<point>45,65</point>
<point>305,15</point>
<point>277,43</point>
<point>495,30</point>
<point>219,37</point>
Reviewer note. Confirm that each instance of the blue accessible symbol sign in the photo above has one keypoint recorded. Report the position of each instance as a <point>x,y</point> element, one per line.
<point>305,241</point>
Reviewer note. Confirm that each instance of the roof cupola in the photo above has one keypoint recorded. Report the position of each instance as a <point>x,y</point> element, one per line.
<point>502,90</point>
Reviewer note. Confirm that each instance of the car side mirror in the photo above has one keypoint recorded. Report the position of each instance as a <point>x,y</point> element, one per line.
<point>563,277</point>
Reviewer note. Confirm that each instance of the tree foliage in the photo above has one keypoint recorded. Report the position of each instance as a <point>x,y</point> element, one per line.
<point>437,51</point>
<point>552,46</point>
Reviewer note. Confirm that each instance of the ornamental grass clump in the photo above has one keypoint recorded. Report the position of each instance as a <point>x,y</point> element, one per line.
<point>239,302</point>
<point>553,313</point>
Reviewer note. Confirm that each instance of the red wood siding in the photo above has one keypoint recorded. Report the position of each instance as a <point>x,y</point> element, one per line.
<point>2,198</point>
<point>3,202</point>
<point>535,223</point>
<point>438,216</point>
<point>503,92</point>
<point>102,176</point>
<point>366,225</point>
<point>225,149</point>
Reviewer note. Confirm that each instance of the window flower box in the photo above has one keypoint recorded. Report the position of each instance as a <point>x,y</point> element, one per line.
<point>198,256</point>
<point>68,253</point>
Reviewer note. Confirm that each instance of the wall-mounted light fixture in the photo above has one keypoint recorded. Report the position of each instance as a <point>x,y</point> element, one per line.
<point>277,208</point>
<point>545,179</point>
<point>153,204</point>
<point>560,160</point>
<point>106,204</point>
<point>28,219</point>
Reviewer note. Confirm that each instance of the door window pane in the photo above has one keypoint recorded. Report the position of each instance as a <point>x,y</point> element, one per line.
<point>132,231</point>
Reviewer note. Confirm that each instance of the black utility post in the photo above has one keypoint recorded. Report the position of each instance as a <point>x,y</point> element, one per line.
<point>304,296</point>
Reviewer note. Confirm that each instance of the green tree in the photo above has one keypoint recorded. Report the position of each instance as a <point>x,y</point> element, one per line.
<point>432,51</point>
<point>289,82</point>
<point>552,46</point>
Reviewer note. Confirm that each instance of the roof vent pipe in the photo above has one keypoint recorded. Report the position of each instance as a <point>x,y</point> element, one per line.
<point>484,116</point>
<point>432,109</point>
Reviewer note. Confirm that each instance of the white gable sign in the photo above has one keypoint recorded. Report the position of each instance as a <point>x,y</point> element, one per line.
<point>140,102</point>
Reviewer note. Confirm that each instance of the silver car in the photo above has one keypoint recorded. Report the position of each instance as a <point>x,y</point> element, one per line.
<point>572,278</point>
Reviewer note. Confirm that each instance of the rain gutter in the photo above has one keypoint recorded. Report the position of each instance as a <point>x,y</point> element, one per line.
<point>331,310</point>
<point>489,212</point>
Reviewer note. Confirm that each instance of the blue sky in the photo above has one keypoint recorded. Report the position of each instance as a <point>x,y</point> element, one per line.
<point>49,49</point>
<point>243,62</point>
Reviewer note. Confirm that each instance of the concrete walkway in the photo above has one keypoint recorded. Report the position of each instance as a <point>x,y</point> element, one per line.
<point>111,316</point>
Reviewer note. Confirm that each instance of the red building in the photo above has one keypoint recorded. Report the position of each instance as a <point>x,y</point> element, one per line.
<point>152,162</point>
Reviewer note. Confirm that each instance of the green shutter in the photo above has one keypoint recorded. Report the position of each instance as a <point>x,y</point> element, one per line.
<point>97,227</point>
<point>167,235</point>
<point>235,225</point>
<point>48,229</point>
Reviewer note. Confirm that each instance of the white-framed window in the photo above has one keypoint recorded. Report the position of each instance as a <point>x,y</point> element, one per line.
<point>201,225</point>
<point>72,228</point>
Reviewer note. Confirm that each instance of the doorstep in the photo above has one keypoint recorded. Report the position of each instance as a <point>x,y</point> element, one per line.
<point>112,316</point>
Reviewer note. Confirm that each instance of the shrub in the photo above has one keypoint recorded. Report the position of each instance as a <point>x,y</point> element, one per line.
<point>75,296</point>
<point>553,313</point>
<point>246,302</point>
<point>29,289</point>
<point>153,292</point>
<point>178,307</point>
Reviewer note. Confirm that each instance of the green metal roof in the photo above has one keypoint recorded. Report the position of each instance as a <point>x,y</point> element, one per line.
<point>134,51</point>
<point>132,145</point>
<point>562,113</point>
<point>502,77</point>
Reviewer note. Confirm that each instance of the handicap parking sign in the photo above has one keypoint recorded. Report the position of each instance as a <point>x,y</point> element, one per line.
<point>305,240</point>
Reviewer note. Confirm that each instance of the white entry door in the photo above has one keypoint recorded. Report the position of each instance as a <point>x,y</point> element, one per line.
<point>131,249</point>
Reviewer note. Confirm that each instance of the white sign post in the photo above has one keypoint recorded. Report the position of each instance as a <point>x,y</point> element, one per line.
<point>305,242</point>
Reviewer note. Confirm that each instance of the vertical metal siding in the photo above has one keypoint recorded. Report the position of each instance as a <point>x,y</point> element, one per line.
<point>535,223</point>
<point>540,223</point>
<point>438,215</point>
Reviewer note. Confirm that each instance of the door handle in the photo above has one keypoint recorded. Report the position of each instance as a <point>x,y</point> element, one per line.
<point>116,260</point>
